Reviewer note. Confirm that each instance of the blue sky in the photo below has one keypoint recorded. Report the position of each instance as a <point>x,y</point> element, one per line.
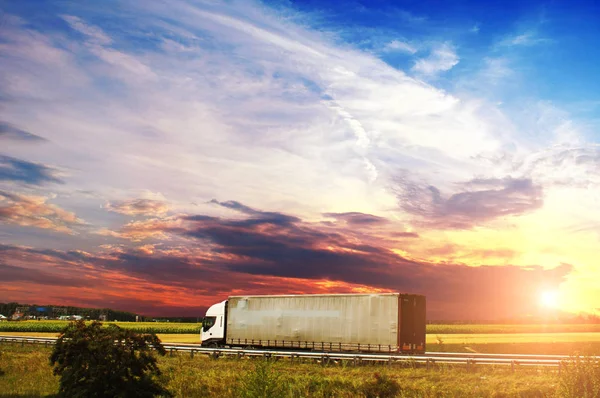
<point>142,141</point>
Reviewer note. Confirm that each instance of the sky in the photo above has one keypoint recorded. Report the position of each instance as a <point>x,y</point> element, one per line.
<point>158,157</point>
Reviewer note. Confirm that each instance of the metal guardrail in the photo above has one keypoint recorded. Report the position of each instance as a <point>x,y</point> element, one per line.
<point>429,358</point>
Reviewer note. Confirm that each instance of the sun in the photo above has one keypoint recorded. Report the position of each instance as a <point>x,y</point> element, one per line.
<point>549,299</point>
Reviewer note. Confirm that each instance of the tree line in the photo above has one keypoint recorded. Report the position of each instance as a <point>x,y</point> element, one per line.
<point>54,311</point>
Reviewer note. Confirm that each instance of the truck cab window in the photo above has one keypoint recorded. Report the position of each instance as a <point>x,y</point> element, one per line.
<point>208,322</point>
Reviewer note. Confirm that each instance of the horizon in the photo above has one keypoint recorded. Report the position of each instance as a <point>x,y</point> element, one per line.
<point>159,158</point>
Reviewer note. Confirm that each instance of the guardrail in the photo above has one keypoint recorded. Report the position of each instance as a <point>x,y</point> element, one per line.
<point>429,358</point>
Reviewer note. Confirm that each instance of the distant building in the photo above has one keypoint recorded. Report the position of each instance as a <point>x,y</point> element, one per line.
<point>17,315</point>
<point>70,317</point>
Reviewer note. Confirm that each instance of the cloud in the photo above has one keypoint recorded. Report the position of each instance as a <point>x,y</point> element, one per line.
<point>33,211</point>
<point>257,217</point>
<point>9,131</point>
<point>356,218</point>
<point>137,231</point>
<point>137,207</point>
<point>397,45</point>
<point>98,43</point>
<point>442,58</point>
<point>231,255</point>
<point>94,33</point>
<point>405,234</point>
<point>484,200</point>
<point>565,166</point>
<point>302,251</point>
<point>12,274</point>
<point>13,169</point>
<point>204,100</point>
<point>526,39</point>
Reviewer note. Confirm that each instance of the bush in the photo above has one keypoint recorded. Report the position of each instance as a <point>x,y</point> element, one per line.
<point>382,387</point>
<point>326,388</point>
<point>262,382</point>
<point>96,361</point>
<point>580,378</point>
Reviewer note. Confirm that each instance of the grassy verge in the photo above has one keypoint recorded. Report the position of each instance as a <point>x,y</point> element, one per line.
<point>26,372</point>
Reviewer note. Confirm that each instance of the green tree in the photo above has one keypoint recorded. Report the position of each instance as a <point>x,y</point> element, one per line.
<point>96,361</point>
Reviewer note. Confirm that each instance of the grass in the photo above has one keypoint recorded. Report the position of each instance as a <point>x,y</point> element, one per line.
<point>27,373</point>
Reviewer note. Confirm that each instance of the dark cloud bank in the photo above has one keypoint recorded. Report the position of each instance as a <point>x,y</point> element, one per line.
<point>270,244</point>
<point>13,169</point>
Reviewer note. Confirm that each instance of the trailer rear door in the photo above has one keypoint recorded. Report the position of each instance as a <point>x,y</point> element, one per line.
<point>412,322</point>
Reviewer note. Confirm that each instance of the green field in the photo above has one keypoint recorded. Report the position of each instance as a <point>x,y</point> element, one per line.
<point>194,328</point>
<point>141,327</point>
<point>510,329</point>
<point>25,371</point>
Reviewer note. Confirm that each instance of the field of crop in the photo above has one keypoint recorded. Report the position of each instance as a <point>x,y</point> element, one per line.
<point>55,326</point>
<point>194,328</point>
<point>25,371</point>
<point>510,329</point>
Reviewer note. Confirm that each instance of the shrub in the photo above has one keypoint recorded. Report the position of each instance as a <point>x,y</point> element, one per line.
<point>262,382</point>
<point>382,387</point>
<point>96,361</point>
<point>580,378</point>
<point>326,388</point>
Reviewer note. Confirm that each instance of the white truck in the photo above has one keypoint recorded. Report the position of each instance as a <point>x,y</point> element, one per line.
<point>387,322</point>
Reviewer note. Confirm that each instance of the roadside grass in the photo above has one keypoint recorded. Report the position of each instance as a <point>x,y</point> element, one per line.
<point>27,372</point>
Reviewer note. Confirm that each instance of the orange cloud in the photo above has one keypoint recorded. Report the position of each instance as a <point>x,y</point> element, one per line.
<point>138,207</point>
<point>33,211</point>
<point>136,231</point>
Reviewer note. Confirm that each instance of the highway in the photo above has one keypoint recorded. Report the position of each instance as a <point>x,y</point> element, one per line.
<point>429,358</point>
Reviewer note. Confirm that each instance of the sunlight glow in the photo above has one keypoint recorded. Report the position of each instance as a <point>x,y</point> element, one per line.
<point>549,299</point>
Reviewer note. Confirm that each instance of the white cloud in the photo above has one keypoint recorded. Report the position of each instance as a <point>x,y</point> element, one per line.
<point>442,58</point>
<point>94,33</point>
<point>397,45</point>
<point>526,39</point>
<point>255,108</point>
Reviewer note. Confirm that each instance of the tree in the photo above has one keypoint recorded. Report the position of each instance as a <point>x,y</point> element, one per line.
<point>97,361</point>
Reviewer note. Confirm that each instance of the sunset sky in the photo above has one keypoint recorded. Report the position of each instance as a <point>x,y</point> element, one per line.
<point>159,156</point>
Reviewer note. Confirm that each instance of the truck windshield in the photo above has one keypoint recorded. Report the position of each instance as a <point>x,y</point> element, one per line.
<point>208,322</point>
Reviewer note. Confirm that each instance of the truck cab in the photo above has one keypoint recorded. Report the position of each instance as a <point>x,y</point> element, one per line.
<point>214,325</point>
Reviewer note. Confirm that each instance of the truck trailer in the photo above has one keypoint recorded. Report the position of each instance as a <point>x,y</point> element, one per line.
<point>386,322</point>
